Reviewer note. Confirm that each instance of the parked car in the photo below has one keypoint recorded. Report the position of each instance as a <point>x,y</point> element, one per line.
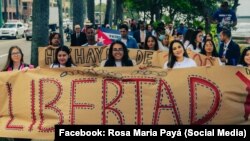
<point>28,33</point>
<point>12,29</point>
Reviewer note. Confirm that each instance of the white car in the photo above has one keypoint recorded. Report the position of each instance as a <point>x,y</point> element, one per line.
<point>12,30</point>
<point>28,33</point>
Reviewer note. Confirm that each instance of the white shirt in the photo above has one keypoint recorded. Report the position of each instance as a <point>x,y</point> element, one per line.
<point>161,47</point>
<point>117,63</point>
<point>186,63</point>
<point>191,47</point>
<point>124,41</point>
<point>59,66</point>
<point>226,47</point>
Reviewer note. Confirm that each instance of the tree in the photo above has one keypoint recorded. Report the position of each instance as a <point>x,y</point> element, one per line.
<point>78,10</point>
<point>59,3</point>
<point>17,9</point>
<point>40,18</point>
<point>1,15</point>
<point>5,17</point>
<point>236,4</point>
<point>108,12</point>
<point>91,10</point>
<point>118,11</point>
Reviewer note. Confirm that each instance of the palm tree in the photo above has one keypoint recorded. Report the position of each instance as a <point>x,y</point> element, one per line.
<point>108,12</point>
<point>118,11</point>
<point>78,12</point>
<point>5,11</point>
<point>40,18</point>
<point>91,10</point>
<point>17,9</point>
<point>59,3</point>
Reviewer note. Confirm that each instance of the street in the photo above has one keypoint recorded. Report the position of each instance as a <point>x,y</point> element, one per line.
<point>5,44</point>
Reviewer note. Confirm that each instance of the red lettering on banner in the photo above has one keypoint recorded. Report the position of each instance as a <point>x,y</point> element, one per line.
<point>159,105</point>
<point>193,81</point>
<point>50,105</point>
<point>247,102</point>
<point>73,102</point>
<point>138,95</point>
<point>10,109</point>
<point>33,115</point>
<point>110,106</point>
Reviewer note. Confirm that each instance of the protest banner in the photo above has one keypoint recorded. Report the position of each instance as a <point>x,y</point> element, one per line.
<point>32,102</point>
<point>92,56</point>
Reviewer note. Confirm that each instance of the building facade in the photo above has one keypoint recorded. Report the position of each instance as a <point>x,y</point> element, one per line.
<point>9,11</point>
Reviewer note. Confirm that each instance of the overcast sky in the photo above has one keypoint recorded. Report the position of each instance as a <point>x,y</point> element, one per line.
<point>243,9</point>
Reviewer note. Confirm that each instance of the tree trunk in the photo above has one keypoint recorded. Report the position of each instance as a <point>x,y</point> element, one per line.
<point>40,18</point>
<point>91,11</point>
<point>17,9</point>
<point>78,12</point>
<point>236,4</point>
<point>172,13</point>
<point>1,15</point>
<point>59,3</point>
<point>71,9</point>
<point>108,12</point>
<point>5,11</point>
<point>111,14</point>
<point>118,12</point>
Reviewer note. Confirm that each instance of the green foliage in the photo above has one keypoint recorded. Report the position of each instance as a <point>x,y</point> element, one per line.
<point>103,7</point>
<point>166,19</point>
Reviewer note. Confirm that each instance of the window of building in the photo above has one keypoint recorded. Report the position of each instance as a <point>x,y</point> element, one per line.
<point>25,5</point>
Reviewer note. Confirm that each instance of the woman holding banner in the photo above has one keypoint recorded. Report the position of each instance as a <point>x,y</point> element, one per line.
<point>54,40</point>
<point>118,56</point>
<point>209,50</point>
<point>245,58</point>
<point>177,57</point>
<point>151,43</point>
<point>15,60</point>
<point>62,58</point>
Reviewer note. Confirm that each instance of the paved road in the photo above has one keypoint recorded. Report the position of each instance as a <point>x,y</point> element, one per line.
<point>5,44</point>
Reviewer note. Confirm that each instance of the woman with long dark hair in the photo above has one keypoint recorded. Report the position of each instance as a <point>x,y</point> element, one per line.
<point>178,57</point>
<point>118,56</point>
<point>245,58</point>
<point>151,43</point>
<point>54,40</point>
<point>62,58</point>
<point>209,50</point>
<point>15,60</point>
<point>196,42</point>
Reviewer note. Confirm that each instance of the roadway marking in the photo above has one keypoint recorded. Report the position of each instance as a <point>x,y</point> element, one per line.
<point>1,56</point>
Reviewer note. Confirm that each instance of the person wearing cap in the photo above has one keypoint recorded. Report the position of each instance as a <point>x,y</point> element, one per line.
<point>78,38</point>
<point>87,24</point>
<point>225,18</point>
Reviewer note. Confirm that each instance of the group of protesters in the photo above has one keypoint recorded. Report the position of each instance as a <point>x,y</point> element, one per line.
<point>176,41</point>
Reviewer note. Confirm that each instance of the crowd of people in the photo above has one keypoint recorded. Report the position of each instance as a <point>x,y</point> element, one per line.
<point>175,41</point>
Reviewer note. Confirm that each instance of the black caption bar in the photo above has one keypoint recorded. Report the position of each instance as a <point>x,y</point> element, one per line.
<point>241,132</point>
